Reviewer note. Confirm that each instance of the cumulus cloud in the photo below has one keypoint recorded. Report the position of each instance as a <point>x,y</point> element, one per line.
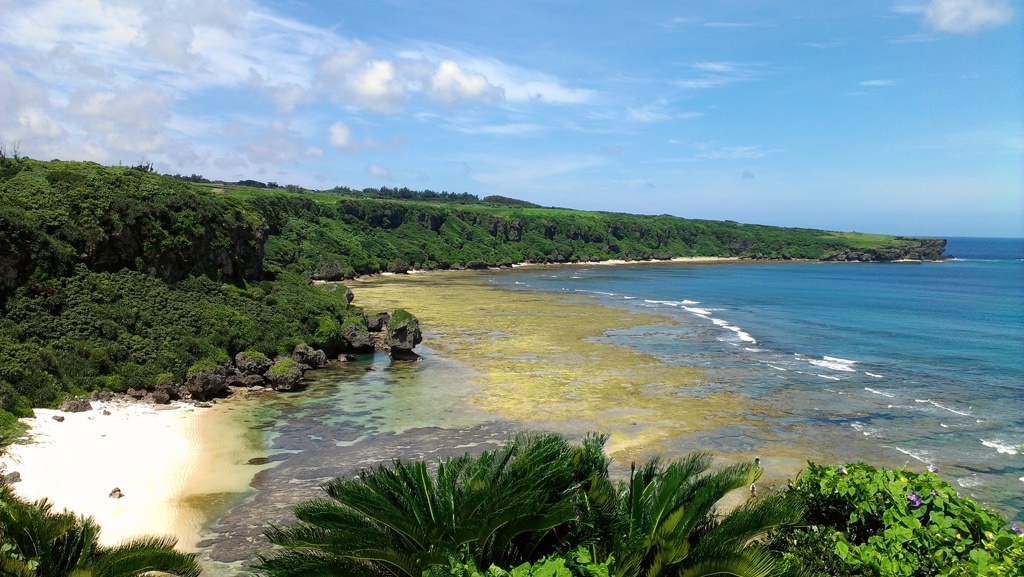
<point>352,76</point>
<point>966,16</point>
<point>452,86</point>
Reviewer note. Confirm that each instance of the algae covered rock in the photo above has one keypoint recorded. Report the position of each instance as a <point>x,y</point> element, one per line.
<point>205,380</point>
<point>284,375</point>
<point>252,363</point>
<point>403,335</point>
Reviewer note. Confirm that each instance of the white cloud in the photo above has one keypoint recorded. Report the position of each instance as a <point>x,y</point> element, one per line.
<point>39,125</point>
<point>452,86</point>
<point>878,83</point>
<point>658,113</point>
<point>704,151</point>
<point>721,74</point>
<point>340,137</point>
<point>966,16</point>
<point>523,85</point>
<point>510,129</point>
<point>378,171</point>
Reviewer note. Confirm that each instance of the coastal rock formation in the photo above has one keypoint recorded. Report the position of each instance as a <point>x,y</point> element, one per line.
<point>357,338</point>
<point>306,355</point>
<point>75,405</point>
<point>284,375</point>
<point>252,363</point>
<point>403,335</point>
<point>377,322</point>
<point>928,249</point>
<point>205,384</point>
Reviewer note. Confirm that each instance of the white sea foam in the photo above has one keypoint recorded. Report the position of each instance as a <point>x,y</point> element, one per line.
<point>697,311</point>
<point>669,303</point>
<point>686,302</point>
<point>969,482</point>
<point>776,368</point>
<point>834,364</point>
<point>753,350</point>
<point>629,298</point>
<point>720,322</point>
<point>877,392</point>
<point>944,407</point>
<point>863,429</point>
<point>830,378</point>
<point>839,360</point>
<point>911,454</point>
<point>1000,446</point>
<point>873,375</point>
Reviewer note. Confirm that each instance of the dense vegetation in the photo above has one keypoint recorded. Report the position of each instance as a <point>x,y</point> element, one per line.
<point>862,520</point>
<point>543,507</point>
<point>335,236</point>
<point>117,278</point>
<point>538,500</point>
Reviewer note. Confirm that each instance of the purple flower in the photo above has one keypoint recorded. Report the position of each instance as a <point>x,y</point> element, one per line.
<point>1016,529</point>
<point>842,470</point>
<point>914,498</point>
<point>958,495</point>
<point>934,493</point>
<point>933,468</point>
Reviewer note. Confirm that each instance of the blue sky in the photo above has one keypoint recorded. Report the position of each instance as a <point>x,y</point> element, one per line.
<point>902,116</point>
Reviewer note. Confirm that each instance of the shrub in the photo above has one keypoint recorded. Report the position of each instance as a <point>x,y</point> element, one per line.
<point>863,520</point>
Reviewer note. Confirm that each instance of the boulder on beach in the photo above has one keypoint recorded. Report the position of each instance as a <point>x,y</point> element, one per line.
<point>75,405</point>
<point>306,355</point>
<point>116,493</point>
<point>205,381</point>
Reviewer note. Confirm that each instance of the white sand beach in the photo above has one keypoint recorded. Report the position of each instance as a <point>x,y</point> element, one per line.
<point>173,465</point>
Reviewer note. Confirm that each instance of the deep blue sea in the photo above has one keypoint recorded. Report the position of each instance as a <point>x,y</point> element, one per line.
<point>922,363</point>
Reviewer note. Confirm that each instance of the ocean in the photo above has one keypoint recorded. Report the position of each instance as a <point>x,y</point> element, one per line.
<point>913,363</point>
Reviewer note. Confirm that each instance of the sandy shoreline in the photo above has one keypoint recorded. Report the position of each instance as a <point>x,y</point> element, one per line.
<point>176,465</point>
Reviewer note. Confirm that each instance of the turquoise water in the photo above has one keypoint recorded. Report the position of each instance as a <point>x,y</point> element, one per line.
<point>921,363</point>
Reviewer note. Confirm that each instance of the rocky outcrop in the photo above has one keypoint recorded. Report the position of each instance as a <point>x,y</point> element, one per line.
<point>403,334</point>
<point>306,355</point>
<point>284,375</point>
<point>926,249</point>
<point>357,338</point>
<point>204,384</point>
<point>75,405</point>
<point>252,363</point>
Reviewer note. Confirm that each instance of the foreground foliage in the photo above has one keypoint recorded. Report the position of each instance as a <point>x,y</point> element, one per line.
<point>863,520</point>
<point>538,506</point>
<point>36,541</point>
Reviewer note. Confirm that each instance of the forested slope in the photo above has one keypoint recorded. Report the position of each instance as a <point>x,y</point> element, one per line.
<point>338,235</point>
<point>117,278</point>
